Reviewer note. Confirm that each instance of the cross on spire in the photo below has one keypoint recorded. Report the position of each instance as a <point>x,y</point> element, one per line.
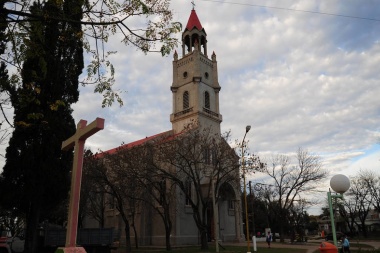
<point>192,2</point>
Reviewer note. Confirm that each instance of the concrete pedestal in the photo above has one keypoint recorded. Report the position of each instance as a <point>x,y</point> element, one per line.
<point>71,250</point>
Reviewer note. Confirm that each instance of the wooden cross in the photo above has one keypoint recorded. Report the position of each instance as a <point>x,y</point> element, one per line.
<point>77,141</point>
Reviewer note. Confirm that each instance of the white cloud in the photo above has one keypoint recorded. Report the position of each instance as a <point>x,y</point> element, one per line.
<point>300,79</point>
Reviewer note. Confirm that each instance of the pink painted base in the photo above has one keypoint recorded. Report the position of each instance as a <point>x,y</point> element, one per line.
<point>71,250</point>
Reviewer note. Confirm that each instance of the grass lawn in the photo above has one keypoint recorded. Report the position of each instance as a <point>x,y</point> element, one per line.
<point>358,248</point>
<point>226,249</point>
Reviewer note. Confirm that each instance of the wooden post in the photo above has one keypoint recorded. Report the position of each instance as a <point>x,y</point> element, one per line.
<point>77,141</point>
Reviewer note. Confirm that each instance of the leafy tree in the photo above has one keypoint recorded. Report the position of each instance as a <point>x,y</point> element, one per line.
<point>313,225</point>
<point>325,211</point>
<point>298,219</point>
<point>4,100</point>
<point>45,45</point>
<point>264,216</point>
<point>35,178</point>
<point>258,210</point>
<point>102,21</point>
<point>10,222</point>
<point>288,181</point>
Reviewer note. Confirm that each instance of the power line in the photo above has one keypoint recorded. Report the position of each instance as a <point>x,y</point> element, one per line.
<point>297,10</point>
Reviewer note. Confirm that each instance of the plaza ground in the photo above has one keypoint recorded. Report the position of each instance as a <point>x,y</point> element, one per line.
<point>312,246</point>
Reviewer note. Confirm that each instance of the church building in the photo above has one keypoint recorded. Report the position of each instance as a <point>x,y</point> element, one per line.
<point>195,94</point>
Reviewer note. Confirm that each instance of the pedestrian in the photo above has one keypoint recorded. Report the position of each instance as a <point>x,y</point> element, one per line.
<point>346,245</point>
<point>269,239</point>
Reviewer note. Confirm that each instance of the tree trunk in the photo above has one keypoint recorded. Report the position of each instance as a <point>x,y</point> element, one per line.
<point>168,227</point>
<point>136,237</point>
<point>31,239</point>
<point>204,239</point>
<point>128,247</point>
<point>364,229</point>
<point>282,226</point>
<point>168,243</point>
<point>168,230</point>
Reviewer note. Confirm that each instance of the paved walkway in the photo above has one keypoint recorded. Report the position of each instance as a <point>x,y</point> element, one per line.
<point>375,244</point>
<point>310,246</point>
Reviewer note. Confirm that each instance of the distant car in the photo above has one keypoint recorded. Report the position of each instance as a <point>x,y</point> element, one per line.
<point>329,236</point>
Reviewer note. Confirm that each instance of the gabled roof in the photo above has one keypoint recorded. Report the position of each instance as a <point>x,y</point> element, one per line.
<point>133,144</point>
<point>193,22</point>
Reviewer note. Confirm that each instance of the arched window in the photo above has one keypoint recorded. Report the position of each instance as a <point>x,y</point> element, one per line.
<point>207,100</point>
<point>185,100</point>
<point>209,156</point>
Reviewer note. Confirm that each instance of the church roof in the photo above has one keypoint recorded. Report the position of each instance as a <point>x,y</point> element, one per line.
<point>133,144</point>
<point>193,22</point>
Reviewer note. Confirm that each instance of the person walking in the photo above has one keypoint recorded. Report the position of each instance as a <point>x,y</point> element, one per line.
<point>346,245</point>
<point>269,239</point>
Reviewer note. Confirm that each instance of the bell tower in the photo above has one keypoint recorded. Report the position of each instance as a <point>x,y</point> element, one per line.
<point>195,85</point>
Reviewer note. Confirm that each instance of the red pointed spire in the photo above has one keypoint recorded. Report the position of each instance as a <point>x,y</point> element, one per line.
<point>193,22</point>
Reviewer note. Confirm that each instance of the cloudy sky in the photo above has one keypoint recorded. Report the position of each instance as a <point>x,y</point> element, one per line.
<point>302,73</point>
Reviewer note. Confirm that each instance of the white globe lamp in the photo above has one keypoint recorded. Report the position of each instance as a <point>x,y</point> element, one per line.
<point>340,183</point>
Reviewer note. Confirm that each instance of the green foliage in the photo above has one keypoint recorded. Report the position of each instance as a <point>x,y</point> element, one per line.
<point>99,22</point>
<point>35,178</point>
<point>100,71</point>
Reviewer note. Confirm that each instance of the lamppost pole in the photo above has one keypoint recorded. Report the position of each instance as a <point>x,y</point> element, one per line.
<point>247,128</point>
<point>340,184</point>
<point>216,216</point>
<point>252,195</point>
<point>333,229</point>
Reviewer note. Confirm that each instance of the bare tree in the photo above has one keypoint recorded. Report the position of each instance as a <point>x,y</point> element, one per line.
<point>117,190</point>
<point>158,190</point>
<point>199,163</point>
<point>348,210</point>
<point>125,175</point>
<point>360,199</point>
<point>92,197</point>
<point>372,182</point>
<point>288,181</point>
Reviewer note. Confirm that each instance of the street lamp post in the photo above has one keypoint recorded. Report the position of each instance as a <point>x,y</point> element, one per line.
<point>340,184</point>
<point>216,216</point>
<point>252,195</point>
<point>247,128</point>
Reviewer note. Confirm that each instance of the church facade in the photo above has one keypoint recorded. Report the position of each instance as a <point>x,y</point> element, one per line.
<point>195,97</point>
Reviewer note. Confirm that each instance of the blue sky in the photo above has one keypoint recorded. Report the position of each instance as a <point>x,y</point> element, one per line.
<point>300,79</point>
